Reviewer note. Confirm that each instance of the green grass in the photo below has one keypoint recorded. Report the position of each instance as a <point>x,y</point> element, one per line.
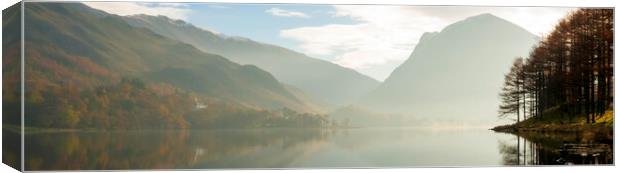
<point>553,120</point>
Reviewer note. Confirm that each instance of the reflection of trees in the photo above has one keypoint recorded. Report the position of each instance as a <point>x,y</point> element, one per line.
<point>509,153</point>
<point>554,149</point>
<point>163,150</point>
<point>523,151</point>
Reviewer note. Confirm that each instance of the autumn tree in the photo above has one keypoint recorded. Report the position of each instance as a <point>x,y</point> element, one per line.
<point>511,95</point>
<point>570,70</point>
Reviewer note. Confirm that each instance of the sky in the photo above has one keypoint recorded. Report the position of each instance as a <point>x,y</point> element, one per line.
<point>371,39</point>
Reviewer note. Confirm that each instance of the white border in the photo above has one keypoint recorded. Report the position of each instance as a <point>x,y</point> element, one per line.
<point>559,3</point>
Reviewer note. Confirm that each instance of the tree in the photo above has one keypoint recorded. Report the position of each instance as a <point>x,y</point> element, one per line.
<point>571,69</point>
<point>512,90</point>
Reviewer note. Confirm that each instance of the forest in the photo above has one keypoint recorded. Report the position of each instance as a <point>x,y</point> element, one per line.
<point>568,74</point>
<point>133,103</point>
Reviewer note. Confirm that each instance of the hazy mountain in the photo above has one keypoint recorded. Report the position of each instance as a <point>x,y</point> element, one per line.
<point>323,80</point>
<point>353,116</point>
<point>72,43</point>
<point>454,74</point>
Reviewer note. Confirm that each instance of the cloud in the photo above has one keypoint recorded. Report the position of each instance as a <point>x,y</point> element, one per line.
<point>173,4</point>
<point>286,13</point>
<point>384,35</point>
<point>219,6</point>
<point>171,10</point>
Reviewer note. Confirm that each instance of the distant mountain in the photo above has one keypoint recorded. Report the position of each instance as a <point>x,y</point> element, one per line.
<point>323,80</point>
<point>454,74</point>
<point>352,116</point>
<point>70,43</point>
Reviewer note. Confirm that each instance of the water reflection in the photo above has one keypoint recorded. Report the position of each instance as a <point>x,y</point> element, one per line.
<point>162,149</point>
<point>287,148</point>
<point>11,148</point>
<point>556,149</point>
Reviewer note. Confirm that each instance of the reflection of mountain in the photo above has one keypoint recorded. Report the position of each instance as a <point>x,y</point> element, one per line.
<point>454,74</point>
<point>266,148</point>
<point>321,79</point>
<point>168,149</point>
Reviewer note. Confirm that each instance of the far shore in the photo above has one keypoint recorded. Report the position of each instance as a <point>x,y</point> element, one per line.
<point>33,130</point>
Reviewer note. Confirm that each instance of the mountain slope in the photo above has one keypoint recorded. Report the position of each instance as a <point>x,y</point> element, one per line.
<point>70,42</point>
<point>454,74</point>
<point>325,81</point>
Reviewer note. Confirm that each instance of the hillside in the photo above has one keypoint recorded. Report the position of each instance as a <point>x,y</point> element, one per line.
<point>86,68</point>
<point>324,81</point>
<point>106,47</point>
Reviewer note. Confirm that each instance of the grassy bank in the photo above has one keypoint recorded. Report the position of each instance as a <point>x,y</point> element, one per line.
<point>555,122</point>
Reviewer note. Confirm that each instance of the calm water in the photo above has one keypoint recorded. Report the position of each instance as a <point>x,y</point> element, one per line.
<point>289,148</point>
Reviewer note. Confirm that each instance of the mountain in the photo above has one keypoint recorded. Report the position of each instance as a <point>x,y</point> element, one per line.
<point>454,74</point>
<point>325,81</point>
<point>11,64</point>
<point>72,44</point>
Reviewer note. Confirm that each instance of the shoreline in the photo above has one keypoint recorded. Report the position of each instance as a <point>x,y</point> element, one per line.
<point>554,122</point>
<point>602,129</point>
<point>553,128</point>
<point>34,130</point>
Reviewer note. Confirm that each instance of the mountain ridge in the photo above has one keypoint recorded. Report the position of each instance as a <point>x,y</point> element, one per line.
<point>107,42</point>
<point>333,84</point>
<point>458,83</point>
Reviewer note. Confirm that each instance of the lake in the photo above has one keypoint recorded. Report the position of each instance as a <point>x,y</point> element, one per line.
<point>299,148</point>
